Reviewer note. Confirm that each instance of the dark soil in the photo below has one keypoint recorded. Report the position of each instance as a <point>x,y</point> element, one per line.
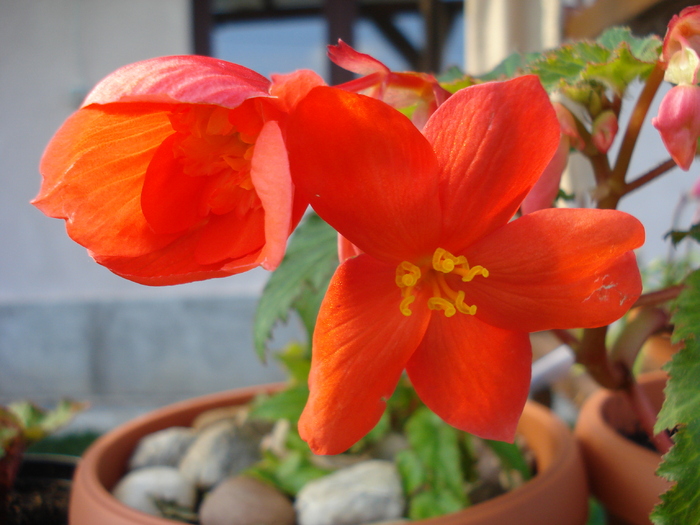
<point>38,502</point>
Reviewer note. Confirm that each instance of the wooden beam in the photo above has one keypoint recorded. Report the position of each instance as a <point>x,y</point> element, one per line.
<point>591,21</point>
<point>201,27</point>
<point>340,19</point>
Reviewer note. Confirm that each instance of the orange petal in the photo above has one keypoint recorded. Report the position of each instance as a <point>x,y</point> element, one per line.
<point>174,264</point>
<point>367,171</point>
<point>361,345</point>
<point>474,376</point>
<point>273,183</point>
<point>230,236</point>
<point>188,78</point>
<point>348,58</point>
<point>292,87</point>
<point>93,171</point>
<point>557,268</point>
<point>493,141</point>
<point>170,199</point>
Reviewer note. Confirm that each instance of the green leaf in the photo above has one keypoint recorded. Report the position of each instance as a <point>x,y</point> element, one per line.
<point>644,49</point>
<point>432,503</point>
<point>678,235</point>
<point>436,446</point>
<point>37,423</point>
<point>412,471</point>
<point>613,61</point>
<point>287,404</point>
<point>511,457</point>
<point>681,504</point>
<point>296,358</point>
<point>300,281</point>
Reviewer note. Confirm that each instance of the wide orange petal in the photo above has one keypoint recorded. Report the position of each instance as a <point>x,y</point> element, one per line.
<point>170,198</point>
<point>474,376</point>
<point>367,171</point>
<point>360,347</point>
<point>187,78</point>
<point>230,236</point>
<point>493,141</point>
<point>93,172</point>
<point>557,268</point>
<point>175,264</point>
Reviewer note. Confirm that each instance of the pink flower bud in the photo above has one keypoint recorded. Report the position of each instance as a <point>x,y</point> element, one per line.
<point>604,130</point>
<point>678,122</point>
<point>568,125</point>
<point>682,47</point>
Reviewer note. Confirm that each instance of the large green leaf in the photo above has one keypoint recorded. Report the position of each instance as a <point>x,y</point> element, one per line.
<point>611,62</point>
<point>300,282</point>
<point>681,411</point>
<point>432,469</point>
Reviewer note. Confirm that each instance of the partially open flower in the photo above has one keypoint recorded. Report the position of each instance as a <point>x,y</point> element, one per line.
<point>678,122</point>
<point>605,128</point>
<point>403,90</point>
<point>682,47</point>
<point>175,170</point>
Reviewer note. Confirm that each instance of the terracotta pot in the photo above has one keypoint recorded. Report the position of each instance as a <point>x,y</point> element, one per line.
<point>621,472</point>
<point>656,352</point>
<point>557,495</point>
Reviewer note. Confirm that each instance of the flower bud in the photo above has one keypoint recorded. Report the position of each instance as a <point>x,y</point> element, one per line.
<point>568,125</point>
<point>604,130</point>
<point>678,122</point>
<point>682,46</point>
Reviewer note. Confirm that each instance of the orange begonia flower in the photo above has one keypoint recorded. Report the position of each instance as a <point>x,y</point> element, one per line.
<point>447,287</point>
<point>175,170</point>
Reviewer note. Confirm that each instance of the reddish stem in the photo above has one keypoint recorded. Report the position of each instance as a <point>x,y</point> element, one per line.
<point>647,416</point>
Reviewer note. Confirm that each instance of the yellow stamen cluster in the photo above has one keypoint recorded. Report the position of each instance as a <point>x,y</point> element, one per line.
<point>444,298</point>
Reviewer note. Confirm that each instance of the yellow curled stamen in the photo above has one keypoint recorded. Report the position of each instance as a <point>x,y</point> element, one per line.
<point>405,303</point>
<point>407,276</point>
<point>445,262</point>
<point>469,273</point>
<point>444,297</point>
<point>464,308</point>
<point>440,303</point>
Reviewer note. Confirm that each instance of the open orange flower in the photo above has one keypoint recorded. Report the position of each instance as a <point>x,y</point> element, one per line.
<point>447,287</point>
<point>175,170</point>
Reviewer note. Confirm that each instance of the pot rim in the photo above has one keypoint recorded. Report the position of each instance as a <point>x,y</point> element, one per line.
<point>556,455</point>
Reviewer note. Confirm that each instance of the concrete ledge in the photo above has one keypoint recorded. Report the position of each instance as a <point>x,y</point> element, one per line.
<point>122,352</point>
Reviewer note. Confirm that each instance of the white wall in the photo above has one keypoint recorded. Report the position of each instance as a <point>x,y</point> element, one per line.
<point>69,327</point>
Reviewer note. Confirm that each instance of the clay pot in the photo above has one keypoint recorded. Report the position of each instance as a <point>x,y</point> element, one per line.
<point>557,495</point>
<point>621,472</point>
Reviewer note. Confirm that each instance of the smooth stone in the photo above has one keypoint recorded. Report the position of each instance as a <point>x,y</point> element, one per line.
<point>246,501</point>
<point>390,446</point>
<point>366,492</point>
<point>221,450</point>
<point>139,487</point>
<point>236,413</point>
<point>163,448</point>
